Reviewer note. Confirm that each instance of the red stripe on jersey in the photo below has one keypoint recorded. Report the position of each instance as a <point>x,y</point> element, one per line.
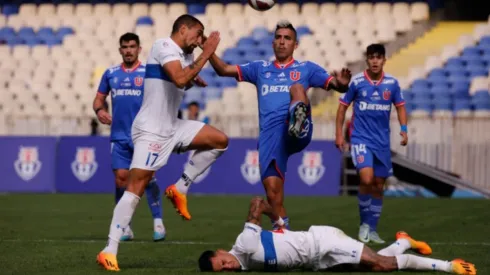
<point>328,82</point>
<point>130,70</point>
<point>400,104</point>
<point>283,66</point>
<point>240,75</point>
<point>370,81</point>
<point>343,102</point>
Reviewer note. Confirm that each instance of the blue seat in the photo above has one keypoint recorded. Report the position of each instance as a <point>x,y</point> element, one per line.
<point>461,105</point>
<point>51,41</point>
<point>13,41</point>
<point>267,41</point>
<point>302,30</point>
<point>212,93</point>
<point>455,61</point>
<point>424,105</point>
<point>440,90</point>
<point>420,83</point>
<point>438,72</point>
<point>10,9</point>
<point>472,51</point>
<point>207,72</point>
<point>455,70</point>
<point>26,32</point>
<point>474,71</point>
<point>421,94</point>
<point>442,105</point>
<point>196,8</point>
<point>474,61</point>
<point>460,92</point>
<point>438,81</point>
<point>253,56</point>
<point>194,94</point>
<point>481,95</point>
<point>246,42</point>
<point>64,31</point>
<point>485,40</point>
<point>227,82</point>
<point>32,41</point>
<point>260,33</point>
<point>7,32</point>
<point>144,20</point>
<point>481,105</point>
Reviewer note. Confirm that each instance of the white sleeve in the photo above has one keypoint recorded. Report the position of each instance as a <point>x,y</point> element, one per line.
<point>164,53</point>
<point>249,240</point>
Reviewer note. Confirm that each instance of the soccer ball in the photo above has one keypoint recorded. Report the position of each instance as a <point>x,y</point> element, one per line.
<point>261,5</point>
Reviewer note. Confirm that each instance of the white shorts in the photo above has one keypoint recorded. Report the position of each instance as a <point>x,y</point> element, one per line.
<point>334,247</point>
<point>151,152</point>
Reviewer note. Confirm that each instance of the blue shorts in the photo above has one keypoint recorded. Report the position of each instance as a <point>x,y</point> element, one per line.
<point>121,154</point>
<point>379,160</point>
<point>276,145</point>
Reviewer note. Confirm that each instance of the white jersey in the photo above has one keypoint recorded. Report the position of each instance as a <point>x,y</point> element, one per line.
<point>318,248</point>
<point>162,99</point>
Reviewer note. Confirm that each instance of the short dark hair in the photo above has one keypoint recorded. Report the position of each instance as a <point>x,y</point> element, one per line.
<point>186,19</point>
<point>129,36</point>
<point>205,263</point>
<point>285,24</point>
<point>376,48</point>
<point>193,103</point>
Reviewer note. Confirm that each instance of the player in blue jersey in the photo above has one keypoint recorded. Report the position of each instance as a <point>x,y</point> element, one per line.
<point>372,92</point>
<point>284,110</point>
<point>124,83</point>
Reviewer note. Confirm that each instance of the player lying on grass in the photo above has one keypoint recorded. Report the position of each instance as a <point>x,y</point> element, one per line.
<point>319,248</point>
<point>284,110</point>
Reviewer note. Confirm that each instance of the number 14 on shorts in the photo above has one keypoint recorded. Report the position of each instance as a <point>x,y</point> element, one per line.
<point>151,158</point>
<point>359,149</point>
<point>359,153</point>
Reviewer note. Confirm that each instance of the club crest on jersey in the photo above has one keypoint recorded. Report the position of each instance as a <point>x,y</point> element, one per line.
<point>250,168</point>
<point>84,166</point>
<point>311,170</point>
<point>386,94</point>
<point>27,164</point>
<point>201,176</point>
<point>115,80</point>
<point>138,81</point>
<point>294,75</point>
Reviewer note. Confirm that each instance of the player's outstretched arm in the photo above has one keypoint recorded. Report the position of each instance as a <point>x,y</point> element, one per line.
<point>222,68</point>
<point>259,206</point>
<point>181,77</point>
<point>340,81</point>
<point>339,124</point>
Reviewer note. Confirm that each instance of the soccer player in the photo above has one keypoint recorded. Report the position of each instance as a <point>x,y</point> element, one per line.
<point>157,132</point>
<point>284,110</point>
<point>373,92</point>
<point>318,249</point>
<point>124,82</point>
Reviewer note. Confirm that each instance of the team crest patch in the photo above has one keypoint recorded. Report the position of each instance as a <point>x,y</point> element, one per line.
<point>360,159</point>
<point>84,166</point>
<point>201,176</point>
<point>386,94</point>
<point>138,81</point>
<point>250,168</point>
<point>311,170</point>
<point>294,75</point>
<point>27,164</point>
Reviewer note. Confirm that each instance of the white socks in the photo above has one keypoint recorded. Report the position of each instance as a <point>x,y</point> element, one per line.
<point>123,212</point>
<point>419,263</point>
<point>199,162</point>
<point>397,248</point>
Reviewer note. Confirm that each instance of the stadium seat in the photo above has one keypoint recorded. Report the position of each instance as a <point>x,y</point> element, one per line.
<point>46,10</point>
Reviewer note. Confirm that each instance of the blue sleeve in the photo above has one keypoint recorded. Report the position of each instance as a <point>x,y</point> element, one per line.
<point>397,97</point>
<point>104,87</point>
<point>347,98</point>
<point>249,72</point>
<point>319,78</point>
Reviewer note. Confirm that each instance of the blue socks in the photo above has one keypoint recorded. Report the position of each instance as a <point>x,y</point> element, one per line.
<point>286,223</point>
<point>364,208</point>
<point>154,199</point>
<point>375,210</point>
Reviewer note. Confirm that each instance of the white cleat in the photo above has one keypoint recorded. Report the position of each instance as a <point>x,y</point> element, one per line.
<point>159,233</point>
<point>364,233</point>
<point>128,235</point>
<point>374,237</point>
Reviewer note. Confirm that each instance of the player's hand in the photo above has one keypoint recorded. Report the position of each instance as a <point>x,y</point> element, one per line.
<point>199,82</point>
<point>211,43</point>
<point>343,77</point>
<point>404,141</point>
<point>340,142</point>
<point>104,117</point>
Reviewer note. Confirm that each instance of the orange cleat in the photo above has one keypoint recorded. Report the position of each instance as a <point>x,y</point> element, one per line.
<point>108,261</point>
<point>179,201</point>
<point>462,267</point>
<point>418,246</point>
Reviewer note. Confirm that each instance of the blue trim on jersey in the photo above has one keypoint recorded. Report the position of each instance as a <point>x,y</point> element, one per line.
<point>270,257</point>
<point>156,71</point>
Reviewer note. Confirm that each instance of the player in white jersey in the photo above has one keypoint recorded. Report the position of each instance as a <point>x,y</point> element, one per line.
<point>157,132</point>
<point>319,248</point>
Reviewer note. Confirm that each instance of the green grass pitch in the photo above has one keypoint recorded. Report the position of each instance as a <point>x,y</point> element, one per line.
<point>61,234</point>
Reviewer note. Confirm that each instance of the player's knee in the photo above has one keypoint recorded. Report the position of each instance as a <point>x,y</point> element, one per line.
<point>220,141</point>
<point>121,179</point>
<point>367,180</point>
<point>385,264</point>
<point>138,180</point>
<point>298,93</point>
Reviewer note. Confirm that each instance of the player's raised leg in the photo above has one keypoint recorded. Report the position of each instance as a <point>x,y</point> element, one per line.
<point>299,110</point>
<point>209,144</point>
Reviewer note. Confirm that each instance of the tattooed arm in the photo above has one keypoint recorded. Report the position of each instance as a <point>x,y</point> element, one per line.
<point>259,206</point>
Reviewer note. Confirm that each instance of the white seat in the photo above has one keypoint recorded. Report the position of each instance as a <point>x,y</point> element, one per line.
<point>139,9</point>
<point>400,8</point>
<point>480,31</point>
<point>120,10</point>
<point>84,9</point>
<point>102,10</point>
<point>52,21</point>
<point>328,9</point>
<point>15,21</point>
<point>65,10</point>
<point>40,52</point>
<point>214,9</point>
<point>415,73</point>
<point>381,9</point>
<point>346,8</point>
<point>448,52</point>
<point>419,11</point>
<point>289,9</point>
<point>310,9</point>
<point>21,52</point>
<point>233,9</point>
<point>45,10</point>
<point>403,23</point>
<point>158,10</point>
<point>465,41</point>
<point>177,9</point>
<point>28,10</point>
<point>3,21</point>
<point>478,84</point>
<point>364,9</point>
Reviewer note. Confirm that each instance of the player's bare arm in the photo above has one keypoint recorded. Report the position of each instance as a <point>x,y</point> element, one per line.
<point>221,67</point>
<point>339,124</point>
<point>402,118</point>
<point>100,110</point>
<point>340,81</point>
<point>181,77</point>
<point>259,206</point>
